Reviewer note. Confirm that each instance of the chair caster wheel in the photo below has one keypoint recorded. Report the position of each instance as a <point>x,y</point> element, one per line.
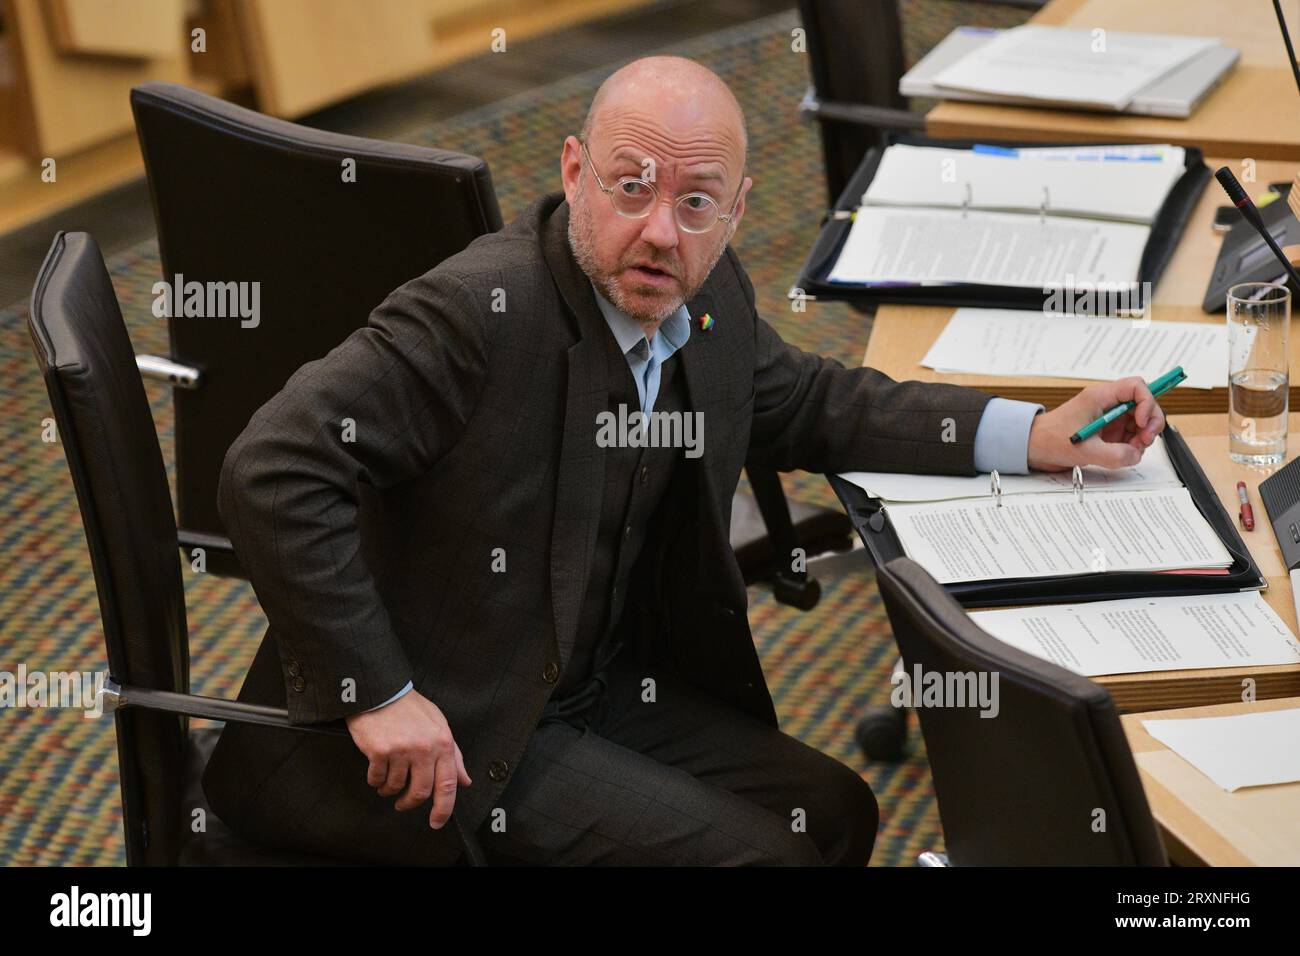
<point>803,594</point>
<point>882,733</point>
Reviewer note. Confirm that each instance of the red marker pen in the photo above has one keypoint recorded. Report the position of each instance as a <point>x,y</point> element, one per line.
<point>1247,515</point>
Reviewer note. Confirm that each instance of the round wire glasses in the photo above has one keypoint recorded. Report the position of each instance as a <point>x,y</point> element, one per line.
<point>634,198</point>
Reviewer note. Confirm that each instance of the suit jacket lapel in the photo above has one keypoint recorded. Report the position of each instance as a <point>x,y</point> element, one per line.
<point>701,365</point>
<point>581,480</point>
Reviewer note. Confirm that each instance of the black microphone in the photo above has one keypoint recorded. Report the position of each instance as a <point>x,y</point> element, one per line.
<point>1251,212</point>
<point>1286,38</point>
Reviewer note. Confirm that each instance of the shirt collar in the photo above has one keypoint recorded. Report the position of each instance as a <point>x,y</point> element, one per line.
<point>672,335</point>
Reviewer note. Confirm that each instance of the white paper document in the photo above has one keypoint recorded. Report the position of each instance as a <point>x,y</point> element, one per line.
<point>1149,634</point>
<point>1155,470</point>
<point>1018,180</point>
<point>1068,66</point>
<point>1049,535</point>
<point>1244,750</point>
<point>888,245</point>
<point>1032,344</point>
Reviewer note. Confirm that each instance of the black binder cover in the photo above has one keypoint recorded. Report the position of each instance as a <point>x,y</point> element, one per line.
<point>1166,229</point>
<point>878,535</point>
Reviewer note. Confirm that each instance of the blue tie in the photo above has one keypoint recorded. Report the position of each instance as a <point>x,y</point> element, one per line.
<point>651,377</point>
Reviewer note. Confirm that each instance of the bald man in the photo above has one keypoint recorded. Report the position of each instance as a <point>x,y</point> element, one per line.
<point>511,574</point>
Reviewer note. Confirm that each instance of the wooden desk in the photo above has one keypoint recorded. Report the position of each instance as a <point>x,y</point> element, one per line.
<point>1201,823</point>
<point>1251,113</point>
<point>1207,436</point>
<point>901,335</point>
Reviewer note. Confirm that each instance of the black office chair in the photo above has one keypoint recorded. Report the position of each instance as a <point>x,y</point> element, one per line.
<point>108,438</point>
<point>855,56</point>
<point>327,224</point>
<point>1049,780</point>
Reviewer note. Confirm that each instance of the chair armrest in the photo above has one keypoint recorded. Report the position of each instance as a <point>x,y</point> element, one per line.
<point>213,708</point>
<point>115,696</point>
<point>876,117</point>
<point>165,370</point>
<point>200,539</point>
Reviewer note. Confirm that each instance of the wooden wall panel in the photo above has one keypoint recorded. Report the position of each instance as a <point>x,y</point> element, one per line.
<point>304,54</point>
<point>225,61</point>
<point>143,29</point>
<point>68,103</point>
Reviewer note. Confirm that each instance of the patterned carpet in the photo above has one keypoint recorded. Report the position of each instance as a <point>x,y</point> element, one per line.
<point>59,800</point>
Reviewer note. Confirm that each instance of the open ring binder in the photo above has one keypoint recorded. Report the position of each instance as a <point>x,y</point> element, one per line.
<point>872,523</point>
<point>821,259</point>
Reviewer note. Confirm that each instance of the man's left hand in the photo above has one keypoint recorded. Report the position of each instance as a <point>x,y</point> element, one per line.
<point>1119,444</point>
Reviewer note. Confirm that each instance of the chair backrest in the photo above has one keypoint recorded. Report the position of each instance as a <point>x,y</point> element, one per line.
<point>108,438</point>
<point>855,55</point>
<point>1049,780</point>
<point>326,225</point>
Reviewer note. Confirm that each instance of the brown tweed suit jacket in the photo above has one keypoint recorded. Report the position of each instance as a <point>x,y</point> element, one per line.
<point>368,500</point>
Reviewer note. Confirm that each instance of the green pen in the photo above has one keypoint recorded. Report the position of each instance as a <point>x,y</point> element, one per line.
<point>1161,385</point>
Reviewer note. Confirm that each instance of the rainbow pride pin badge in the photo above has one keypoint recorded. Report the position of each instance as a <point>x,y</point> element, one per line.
<point>706,322</point>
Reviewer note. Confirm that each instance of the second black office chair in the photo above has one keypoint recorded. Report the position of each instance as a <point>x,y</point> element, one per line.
<point>326,225</point>
<point>1049,779</point>
<point>855,58</point>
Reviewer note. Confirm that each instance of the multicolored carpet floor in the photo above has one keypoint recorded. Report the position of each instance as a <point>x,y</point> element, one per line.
<point>59,797</point>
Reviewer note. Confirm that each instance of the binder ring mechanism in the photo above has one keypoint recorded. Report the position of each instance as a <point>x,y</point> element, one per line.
<point>1044,205</point>
<point>995,485</point>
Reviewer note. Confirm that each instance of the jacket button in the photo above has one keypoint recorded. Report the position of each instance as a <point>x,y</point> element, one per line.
<point>498,770</point>
<point>294,669</point>
<point>551,673</point>
<point>627,532</point>
<point>299,684</point>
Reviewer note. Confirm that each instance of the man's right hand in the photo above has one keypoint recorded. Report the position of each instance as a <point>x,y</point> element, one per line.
<point>410,738</point>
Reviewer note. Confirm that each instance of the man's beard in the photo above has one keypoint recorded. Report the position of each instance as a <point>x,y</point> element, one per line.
<point>582,241</point>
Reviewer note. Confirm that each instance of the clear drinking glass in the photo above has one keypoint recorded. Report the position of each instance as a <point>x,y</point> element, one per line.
<point>1259,318</point>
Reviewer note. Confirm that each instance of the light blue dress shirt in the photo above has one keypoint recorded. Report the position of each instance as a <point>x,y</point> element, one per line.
<point>1001,438</point>
<point>646,357</point>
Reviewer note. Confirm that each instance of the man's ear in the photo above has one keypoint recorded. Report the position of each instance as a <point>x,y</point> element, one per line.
<point>740,204</point>
<point>570,166</point>
<point>734,223</point>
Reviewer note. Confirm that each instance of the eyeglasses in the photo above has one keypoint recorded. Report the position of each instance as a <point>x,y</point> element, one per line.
<point>634,198</point>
